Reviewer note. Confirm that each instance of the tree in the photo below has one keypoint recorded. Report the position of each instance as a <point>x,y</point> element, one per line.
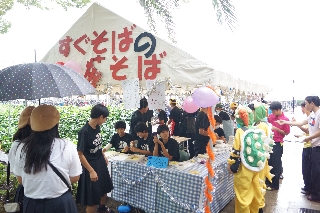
<point>7,5</point>
<point>225,12</point>
<point>224,9</point>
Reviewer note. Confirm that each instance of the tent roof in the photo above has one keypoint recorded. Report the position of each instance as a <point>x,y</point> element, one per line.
<point>98,53</point>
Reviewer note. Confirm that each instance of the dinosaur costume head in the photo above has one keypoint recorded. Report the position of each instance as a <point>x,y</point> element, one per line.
<point>244,116</point>
<point>260,111</point>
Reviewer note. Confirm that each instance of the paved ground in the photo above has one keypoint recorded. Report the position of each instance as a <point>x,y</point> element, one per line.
<point>288,199</point>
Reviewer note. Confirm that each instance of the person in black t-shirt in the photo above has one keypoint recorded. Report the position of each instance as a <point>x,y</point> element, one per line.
<point>165,146</point>
<point>202,138</point>
<point>145,144</point>
<point>137,117</point>
<point>162,116</point>
<point>148,117</point>
<point>175,116</point>
<point>121,140</point>
<point>95,181</point>
<point>218,130</point>
<point>227,123</point>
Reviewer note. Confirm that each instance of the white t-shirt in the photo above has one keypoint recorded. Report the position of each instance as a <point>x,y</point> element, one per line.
<point>12,154</point>
<point>47,184</point>
<point>314,126</point>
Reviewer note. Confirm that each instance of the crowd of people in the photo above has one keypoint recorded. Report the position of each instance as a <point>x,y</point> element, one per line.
<point>251,184</point>
<point>46,165</point>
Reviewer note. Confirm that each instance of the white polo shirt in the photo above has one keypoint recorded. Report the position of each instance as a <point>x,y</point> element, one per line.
<point>314,126</point>
<point>47,184</point>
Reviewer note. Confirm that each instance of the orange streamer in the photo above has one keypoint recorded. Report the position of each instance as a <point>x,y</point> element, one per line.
<point>212,135</point>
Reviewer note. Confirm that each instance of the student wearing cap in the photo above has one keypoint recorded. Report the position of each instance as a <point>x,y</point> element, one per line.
<point>175,117</point>
<point>24,131</point>
<point>95,181</point>
<point>226,121</point>
<point>41,153</point>
<point>138,116</point>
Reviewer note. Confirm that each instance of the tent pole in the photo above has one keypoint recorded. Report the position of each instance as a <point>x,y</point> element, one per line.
<point>293,99</point>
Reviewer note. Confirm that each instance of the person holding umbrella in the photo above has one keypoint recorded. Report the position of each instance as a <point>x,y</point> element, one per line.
<point>46,165</point>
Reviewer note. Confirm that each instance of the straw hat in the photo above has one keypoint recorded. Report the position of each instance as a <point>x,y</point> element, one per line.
<point>24,118</point>
<point>44,117</point>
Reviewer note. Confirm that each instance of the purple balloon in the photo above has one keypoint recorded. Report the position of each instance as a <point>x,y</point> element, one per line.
<point>205,97</point>
<point>189,106</point>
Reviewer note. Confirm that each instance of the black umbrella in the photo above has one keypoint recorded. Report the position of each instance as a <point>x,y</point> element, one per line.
<point>41,80</point>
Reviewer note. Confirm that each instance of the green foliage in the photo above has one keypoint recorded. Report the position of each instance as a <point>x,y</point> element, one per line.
<point>72,118</point>
<point>6,5</point>
<point>3,186</point>
<point>224,9</point>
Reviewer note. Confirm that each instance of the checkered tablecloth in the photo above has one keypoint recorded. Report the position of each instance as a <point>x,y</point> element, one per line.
<point>183,187</point>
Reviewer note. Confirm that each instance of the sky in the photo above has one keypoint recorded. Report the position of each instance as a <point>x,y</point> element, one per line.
<point>274,43</point>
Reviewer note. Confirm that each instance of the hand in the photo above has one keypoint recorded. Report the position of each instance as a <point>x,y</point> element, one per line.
<point>230,169</point>
<point>126,149</point>
<point>134,149</point>
<point>107,162</point>
<point>224,139</point>
<point>306,139</point>
<point>104,150</point>
<point>293,119</point>
<point>155,140</point>
<point>281,122</point>
<point>93,176</point>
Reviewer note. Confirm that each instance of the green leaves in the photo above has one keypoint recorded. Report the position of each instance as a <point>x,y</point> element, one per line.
<point>3,184</point>
<point>72,119</point>
<point>6,5</point>
<point>225,12</point>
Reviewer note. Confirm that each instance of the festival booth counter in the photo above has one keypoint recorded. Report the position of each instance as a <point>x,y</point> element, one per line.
<point>177,188</point>
<point>110,51</point>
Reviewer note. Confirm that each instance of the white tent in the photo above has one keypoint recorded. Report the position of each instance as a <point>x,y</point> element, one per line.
<point>109,49</point>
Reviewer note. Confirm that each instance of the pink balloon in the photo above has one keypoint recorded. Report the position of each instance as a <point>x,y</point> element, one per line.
<point>75,66</point>
<point>189,106</point>
<point>205,97</point>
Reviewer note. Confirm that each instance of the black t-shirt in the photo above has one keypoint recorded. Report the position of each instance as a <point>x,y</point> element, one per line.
<point>202,122</point>
<point>175,115</point>
<point>147,144</point>
<point>136,118</point>
<point>163,116</point>
<point>224,116</point>
<point>148,117</point>
<point>172,148</point>
<point>220,132</point>
<point>90,142</point>
<point>233,114</point>
<point>119,143</point>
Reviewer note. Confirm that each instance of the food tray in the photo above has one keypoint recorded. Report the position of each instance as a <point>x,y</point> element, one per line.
<point>134,158</point>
